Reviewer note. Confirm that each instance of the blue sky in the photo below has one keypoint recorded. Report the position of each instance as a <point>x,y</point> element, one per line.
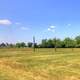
<point>20,20</point>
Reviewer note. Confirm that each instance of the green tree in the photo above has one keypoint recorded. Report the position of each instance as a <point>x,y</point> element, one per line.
<point>68,42</point>
<point>77,39</point>
<point>50,43</point>
<point>29,44</point>
<point>44,43</point>
<point>58,43</point>
<point>22,44</point>
<point>10,45</point>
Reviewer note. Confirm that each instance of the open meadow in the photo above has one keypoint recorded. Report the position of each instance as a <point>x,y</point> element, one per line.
<point>43,64</point>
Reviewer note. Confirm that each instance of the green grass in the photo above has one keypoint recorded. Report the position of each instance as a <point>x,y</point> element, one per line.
<point>44,64</point>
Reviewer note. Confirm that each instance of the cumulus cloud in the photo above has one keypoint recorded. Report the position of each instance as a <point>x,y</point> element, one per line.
<point>17,23</point>
<point>5,22</point>
<point>51,28</point>
<point>24,28</point>
<point>69,24</point>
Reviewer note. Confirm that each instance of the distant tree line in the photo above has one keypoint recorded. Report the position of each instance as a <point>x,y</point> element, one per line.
<point>58,43</point>
<point>47,43</point>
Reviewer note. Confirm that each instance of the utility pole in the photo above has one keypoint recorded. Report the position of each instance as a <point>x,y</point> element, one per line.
<point>34,43</point>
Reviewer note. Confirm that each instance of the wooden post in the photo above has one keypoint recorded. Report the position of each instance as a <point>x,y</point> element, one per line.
<point>72,48</point>
<point>33,43</point>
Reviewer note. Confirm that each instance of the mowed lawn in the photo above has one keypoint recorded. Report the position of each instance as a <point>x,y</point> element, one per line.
<point>43,64</point>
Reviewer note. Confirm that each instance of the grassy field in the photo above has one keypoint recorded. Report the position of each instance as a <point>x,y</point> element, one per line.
<point>44,64</point>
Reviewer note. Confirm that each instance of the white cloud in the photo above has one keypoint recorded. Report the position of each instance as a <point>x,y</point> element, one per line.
<point>52,30</point>
<point>5,22</point>
<point>68,24</point>
<point>24,28</point>
<point>52,27</point>
<point>17,23</point>
<point>49,29</point>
